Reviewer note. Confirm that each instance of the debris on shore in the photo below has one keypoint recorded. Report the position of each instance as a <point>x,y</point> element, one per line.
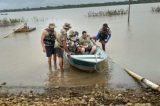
<point>82,96</point>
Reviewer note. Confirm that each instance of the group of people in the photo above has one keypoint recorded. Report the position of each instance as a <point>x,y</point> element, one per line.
<point>54,44</point>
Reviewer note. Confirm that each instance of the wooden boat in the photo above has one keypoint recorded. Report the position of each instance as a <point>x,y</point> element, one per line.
<point>24,30</point>
<point>87,62</point>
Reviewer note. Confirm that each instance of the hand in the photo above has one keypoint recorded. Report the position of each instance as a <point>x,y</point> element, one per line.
<point>97,46</point>
<point>68,53</point>
<point>86,46</point>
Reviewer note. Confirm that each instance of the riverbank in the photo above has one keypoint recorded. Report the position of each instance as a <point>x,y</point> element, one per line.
<point>83,96</point>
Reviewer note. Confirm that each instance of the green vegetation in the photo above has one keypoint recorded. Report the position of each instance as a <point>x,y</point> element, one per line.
<point>9,22</point>
<point>81,5</point>
<point>107,13</point>
<point>156,9</point>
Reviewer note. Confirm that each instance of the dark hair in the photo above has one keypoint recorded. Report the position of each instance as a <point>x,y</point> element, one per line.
<point>105,25</point>
<point>84,32</point>
<point>76,33</point>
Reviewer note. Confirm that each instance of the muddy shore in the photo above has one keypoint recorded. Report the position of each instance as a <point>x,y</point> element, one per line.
<point>82,96</point>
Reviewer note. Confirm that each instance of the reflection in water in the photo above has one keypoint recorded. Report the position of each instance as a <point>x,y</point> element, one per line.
<point>74,77</point>
<point>55,78</point>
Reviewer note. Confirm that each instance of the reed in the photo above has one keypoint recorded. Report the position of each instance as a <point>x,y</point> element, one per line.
<point>156,9</point>
<point>107,13</point>
<point>10,21</point>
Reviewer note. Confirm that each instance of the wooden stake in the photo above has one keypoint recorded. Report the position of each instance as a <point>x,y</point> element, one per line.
<point>129,11</point>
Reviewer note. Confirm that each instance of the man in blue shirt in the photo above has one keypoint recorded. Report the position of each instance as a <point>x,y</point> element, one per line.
<point>104,35</point>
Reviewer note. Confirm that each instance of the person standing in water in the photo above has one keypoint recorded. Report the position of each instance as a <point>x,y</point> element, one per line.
<point>48,41</point>
<point>61,44</point>
<point>104,35</point>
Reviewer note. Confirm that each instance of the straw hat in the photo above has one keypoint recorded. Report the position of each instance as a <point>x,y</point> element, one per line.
<point>67,25</point>
<point>52,25</point>
<point>63,32</point>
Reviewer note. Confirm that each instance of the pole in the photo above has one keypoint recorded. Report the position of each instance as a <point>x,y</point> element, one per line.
<point>129,11</point>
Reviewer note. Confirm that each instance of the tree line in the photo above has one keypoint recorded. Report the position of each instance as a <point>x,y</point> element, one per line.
<point>80,5</point>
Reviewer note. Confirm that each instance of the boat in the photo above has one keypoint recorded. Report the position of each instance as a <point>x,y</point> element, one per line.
<point>24,30</point>
<point>87,62</point>
<point>4,13</point>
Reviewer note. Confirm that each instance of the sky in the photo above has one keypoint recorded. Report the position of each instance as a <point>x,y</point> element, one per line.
<point>15,4</point>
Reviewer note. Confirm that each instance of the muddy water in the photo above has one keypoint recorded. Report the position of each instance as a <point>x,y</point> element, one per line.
<point>134,45</point>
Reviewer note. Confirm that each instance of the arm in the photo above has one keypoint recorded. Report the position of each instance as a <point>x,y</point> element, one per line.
<point>109,36</point>
<point>65,46</point>
<point>42,41</point>
<point>93,40</point>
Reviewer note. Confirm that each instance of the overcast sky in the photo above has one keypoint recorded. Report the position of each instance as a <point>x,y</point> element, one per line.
<point>12,4</point>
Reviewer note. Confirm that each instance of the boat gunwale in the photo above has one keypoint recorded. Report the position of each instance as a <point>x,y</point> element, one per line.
<point>86,60</point>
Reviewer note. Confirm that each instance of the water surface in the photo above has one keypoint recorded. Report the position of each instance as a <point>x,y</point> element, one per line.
<point>134,45</point>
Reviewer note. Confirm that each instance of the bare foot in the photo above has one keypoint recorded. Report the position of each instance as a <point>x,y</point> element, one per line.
<point>55,66</point>
<point>62,69</point>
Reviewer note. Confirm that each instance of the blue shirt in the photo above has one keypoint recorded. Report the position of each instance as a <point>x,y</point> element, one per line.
<point>108,36</point>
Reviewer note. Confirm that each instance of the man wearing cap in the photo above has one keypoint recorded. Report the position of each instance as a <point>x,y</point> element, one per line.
<point>62,44</point>
<point>104,35</point>
<point>87,44</point>
<point>48,41</point>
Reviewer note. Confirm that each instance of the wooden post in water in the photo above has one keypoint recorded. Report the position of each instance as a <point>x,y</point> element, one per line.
<point>129,10</point>
<point>143,80</point>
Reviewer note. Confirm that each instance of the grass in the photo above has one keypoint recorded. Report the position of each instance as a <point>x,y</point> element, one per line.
<point>107,13</point>
<point>10,21</point>
<point>156,9</point>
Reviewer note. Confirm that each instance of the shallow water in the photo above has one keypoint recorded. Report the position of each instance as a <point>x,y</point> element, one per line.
<point>134,45</point>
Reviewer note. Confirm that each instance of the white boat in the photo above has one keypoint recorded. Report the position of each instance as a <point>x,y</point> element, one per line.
<point>88,62</point>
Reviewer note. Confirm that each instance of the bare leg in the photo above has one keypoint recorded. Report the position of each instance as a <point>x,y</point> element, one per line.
<point>61,63</point>
<point>49,62</point>
<point>103,45</point>
<point>82,50</point>
<point>93,50</point>
<point>55,61</point>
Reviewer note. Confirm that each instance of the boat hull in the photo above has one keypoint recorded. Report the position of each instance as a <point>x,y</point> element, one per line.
<point>87,62</point>
<point>24,30</point>
<point>82,65</point>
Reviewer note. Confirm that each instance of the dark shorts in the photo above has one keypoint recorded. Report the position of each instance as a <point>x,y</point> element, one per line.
<point>50,50</point>
<point>59,52</point>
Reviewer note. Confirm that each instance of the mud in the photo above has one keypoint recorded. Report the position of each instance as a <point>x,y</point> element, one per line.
<point>95,95</point>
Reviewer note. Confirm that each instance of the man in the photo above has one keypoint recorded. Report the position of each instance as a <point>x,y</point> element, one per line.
<point>104,35</point>
<point>48,41</point>
<point>25,26</point>
<point>87,44</point>
<point>73,41</point>
<point>62,44</point>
